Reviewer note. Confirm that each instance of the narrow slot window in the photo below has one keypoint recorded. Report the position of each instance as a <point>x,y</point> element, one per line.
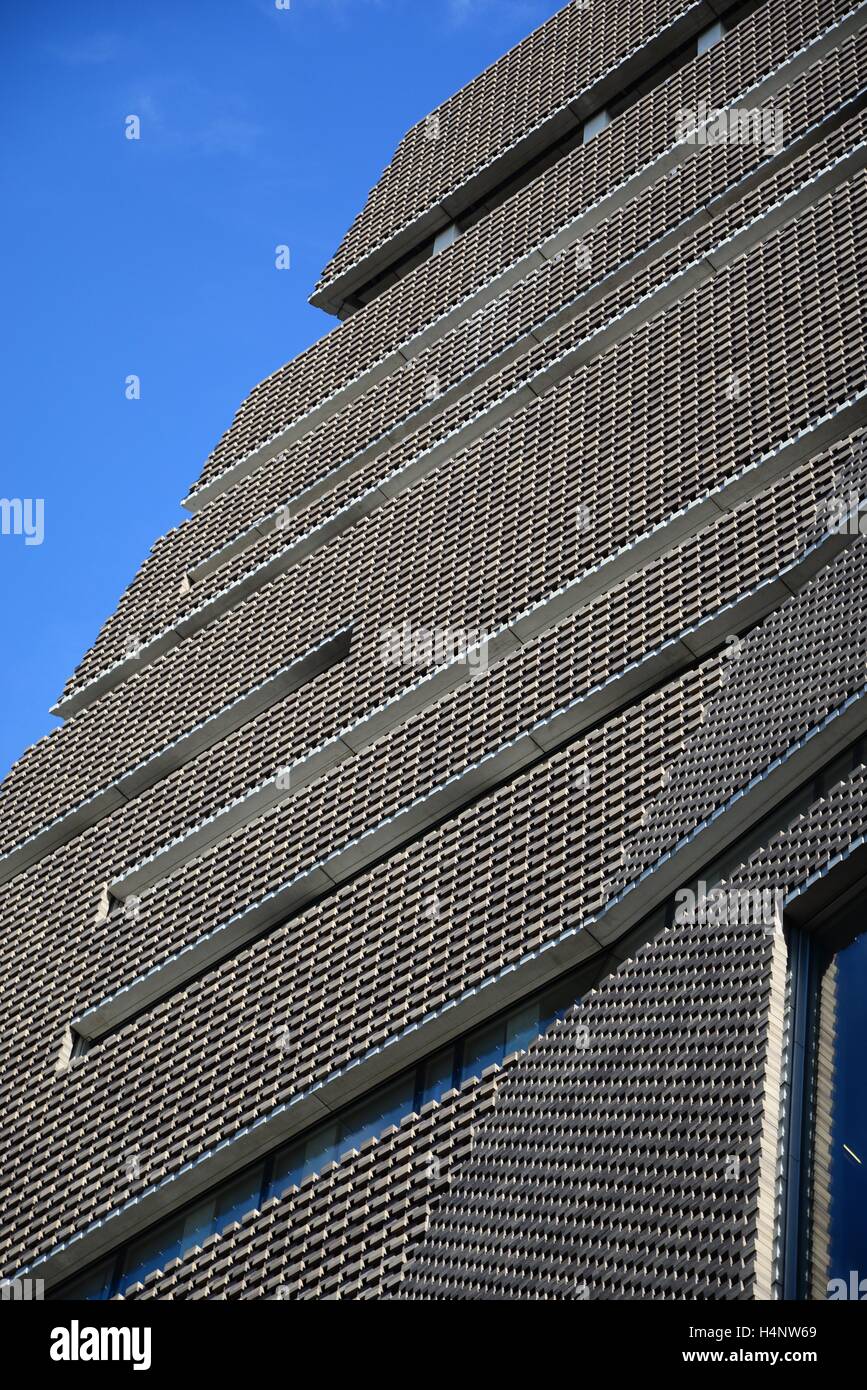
<point>377,1114</point>
<point>824,1217</point>
<point>438,1076</point>
<point>95,1286</point>
<point>595,126</point>
<point>447,237</point>
<point>710,36</point>
<point>297,1161</point>
<point>484,1048</point>
<point>289,1165</point>
<point>182,1233</point>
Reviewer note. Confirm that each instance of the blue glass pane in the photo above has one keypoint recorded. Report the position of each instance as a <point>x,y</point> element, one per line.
<point>288,1170</point>
<point>152,1251</point>
<point>557,1002</point>
<point>297,1161</point>
<point>191,1227</point>
<point>237,1198</point>
<point>847,997</point>
<point>387,1107</point>
<point>320,1149</point>
<point>522,1027</point>
<point>438,1076</point>
<point>94,1285</point>
<point>198,1225</point>
<point>212,1215</point>
<point>483,1048</point>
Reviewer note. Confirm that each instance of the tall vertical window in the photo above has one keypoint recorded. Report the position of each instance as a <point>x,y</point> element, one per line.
<point>826,1166</point>
<point>287,1166</point>
<point>840,1139</point>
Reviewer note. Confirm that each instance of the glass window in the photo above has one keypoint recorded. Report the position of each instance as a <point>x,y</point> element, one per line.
<point>447,237</point>
<point>229,1203</point>
<point>522,1026</point>
<point>366,1121</point>
<point>596,124</point>
<point>198,1225</point>
<point>483,1048</point>
<point>556,1002</point>
<point>840,1137</point>
<point>708,37</point>
<point>191,1227</point>
<point>152,1251</point>
<point>385,1108</point>
<point>319,1149</point>
<point>297,1161</point>
<point>236,1198</point>
<point>438,1075</point>
<point>94,1285</point>
<point>288,1166</point>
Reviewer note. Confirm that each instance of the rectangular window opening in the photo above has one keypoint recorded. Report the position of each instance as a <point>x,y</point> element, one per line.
<point>595,126</point>
<point>823,1245</point>
<point>447,237</point>
<point>710,36</point>
<point>512,1030</point>
<point>289,1164</point>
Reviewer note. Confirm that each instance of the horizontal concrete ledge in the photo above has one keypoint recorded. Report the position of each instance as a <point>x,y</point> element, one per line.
<point>498,284</point>
<point>746,807</point>
<point>499,766</point>
<point>332,296</point>
<point>627,321</point>
<point>823,432</point>
<point>268,450</point>
<point>820,434</point>
<point>287,782</point>
<point>601,942</point>
<point>311,1107</point>
<point>181,751</point>
<point>266,525</point>
<point>541,332</point>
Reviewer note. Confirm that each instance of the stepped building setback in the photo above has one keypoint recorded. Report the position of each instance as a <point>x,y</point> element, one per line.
<point>448,877</point>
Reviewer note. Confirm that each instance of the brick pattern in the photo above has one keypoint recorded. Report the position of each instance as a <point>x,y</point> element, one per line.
<point>622,1158</point>
<point>148,606</point>
<point>624,765</point>
<point>754,720</point>
<point>752,50</point>
<point>71,1133</point>
<point>605,1170</point>
<point>348,1232</point>
<point>538,77</point>
<point>737,552</point>
<point>560,1188</point>
<point>625,442</point>
<point>572,447</point>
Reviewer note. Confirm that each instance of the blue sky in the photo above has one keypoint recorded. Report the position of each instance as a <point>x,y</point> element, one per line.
<point>155,257</point>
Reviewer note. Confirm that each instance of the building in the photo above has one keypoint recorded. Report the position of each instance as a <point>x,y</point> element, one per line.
<point>446,879</point>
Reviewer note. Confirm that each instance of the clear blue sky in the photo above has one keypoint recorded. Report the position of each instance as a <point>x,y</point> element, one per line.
<point>259,126</point>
